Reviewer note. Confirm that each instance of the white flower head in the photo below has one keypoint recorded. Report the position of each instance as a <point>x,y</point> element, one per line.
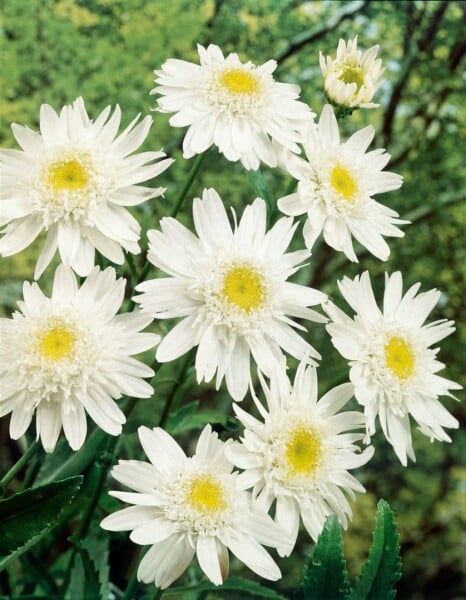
<point>336,185</point>
<point>73,180</point>
<point>393,368</point>
<point>70,354</point>
<point>353,77</point>
<point>301,452</point>
<point>191,506</point>
<point>231,288</point>
<point>236,106</point>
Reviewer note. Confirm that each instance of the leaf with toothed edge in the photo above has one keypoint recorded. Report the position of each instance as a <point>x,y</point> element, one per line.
<point>325,575</point>
<point>27,516</point>
<point>383,567</point>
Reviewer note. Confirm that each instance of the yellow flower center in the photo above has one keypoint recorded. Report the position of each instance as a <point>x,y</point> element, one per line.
<point>399,357</point>
<point>303,450</point>
<point>67,175</point>
<point>205,494</point>
<point>244,286</point>
<point>237,81</point>
<point>57,342</point>
<point>344,183</point>
<point>352,75</point>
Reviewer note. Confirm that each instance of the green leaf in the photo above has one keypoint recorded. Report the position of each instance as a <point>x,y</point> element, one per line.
<point>179,419</point>
<point>325,576</point>
<point>262,189</point>
<point>27,516</point>
<point>89,577</point>
<point>64,462</point>
<point>233,584</point>
<point>383,567</point>
<point>185,419</point>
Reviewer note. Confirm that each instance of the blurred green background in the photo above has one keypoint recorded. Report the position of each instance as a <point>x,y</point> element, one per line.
<point>106,50</point>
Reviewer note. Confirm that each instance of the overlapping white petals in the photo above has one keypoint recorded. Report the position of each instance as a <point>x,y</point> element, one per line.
<point>231,288</point>
<point>393,367</point>
<point>73,180</point>
<point>236,106</point>
<point>192,506</point>
<point>336,185</point>
<point>353,77</point>
<point>299,454</point>
<point>70,354</point>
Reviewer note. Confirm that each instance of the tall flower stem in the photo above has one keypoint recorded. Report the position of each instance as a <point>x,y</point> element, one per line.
<point>87,518</point>
<point>16,468</point>
<point>189,181</point>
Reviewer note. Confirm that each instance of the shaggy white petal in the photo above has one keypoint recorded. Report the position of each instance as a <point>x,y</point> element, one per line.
<point>392,365</point>
<point>73,180</point>
<point>236,106</point>
<point>59,356</point>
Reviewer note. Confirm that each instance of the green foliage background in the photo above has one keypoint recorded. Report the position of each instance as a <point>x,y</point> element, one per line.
<point>105,50</point>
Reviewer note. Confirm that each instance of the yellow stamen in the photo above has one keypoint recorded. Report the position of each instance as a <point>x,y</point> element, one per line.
<point>244,287</point>
<point>57,342</point>
<point>237,81</point>
<point>205,494</point>
<point>400,357</point>
<point>67,175</point>
<point>353,75</point>
<point>303,450</point>
<point>343,183</point>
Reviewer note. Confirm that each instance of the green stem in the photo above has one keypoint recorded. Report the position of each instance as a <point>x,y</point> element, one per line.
<point>191,177</point>
<point>85,523</point>
<point>172,394</point>
<point>9,475</point>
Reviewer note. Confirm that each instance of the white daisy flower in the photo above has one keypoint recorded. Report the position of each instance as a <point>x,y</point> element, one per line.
<point>236,106</point>
<point>70,354</point>
<point>73,180</point>
<point>335,188</point>
<point>301,452</point>
<point>187,506</point>
<point>393,367</point>
<point>231,289</point>
<point>353,77</point>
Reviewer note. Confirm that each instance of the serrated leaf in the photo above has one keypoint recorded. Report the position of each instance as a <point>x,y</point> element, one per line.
<point>236,584</point>
<point>91,587</point>
<point>197,420</point>
<point>325,576</point>
<point>383,567</point>
<point>27,516</point>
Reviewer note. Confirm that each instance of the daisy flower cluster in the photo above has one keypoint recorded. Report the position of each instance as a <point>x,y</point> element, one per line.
<point>224,289</point>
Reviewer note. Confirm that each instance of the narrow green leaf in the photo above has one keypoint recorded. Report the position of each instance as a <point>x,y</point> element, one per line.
<point>383,567</point>
<point>27,516</point>
<point>262,189</point>
<point>325,576</point>
<point>233,584</point>
<point>91,589</point>
<point>179,419</point>
<point>64,462</point>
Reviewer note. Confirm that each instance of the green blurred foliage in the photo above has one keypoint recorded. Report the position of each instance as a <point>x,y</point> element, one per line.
<point>106,50</point>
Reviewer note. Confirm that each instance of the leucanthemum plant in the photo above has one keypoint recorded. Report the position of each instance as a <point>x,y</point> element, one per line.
<point>235,292</point>
<point>191,506</point>
<point>71,354</point>
<point>297,456</point>
<point>353,77</point>
<point>236,106</point>
<point>74,180</point>
<point>335,188</point>
<point>230,288</point>
<point>393,368</point>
